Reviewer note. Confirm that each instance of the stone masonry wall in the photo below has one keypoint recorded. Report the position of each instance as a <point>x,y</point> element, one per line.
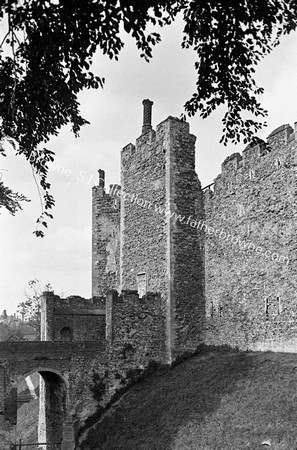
<point>105,240</point>
<point>69,367</point>
<point>250,248</point>
<point>72,319</point>
<point>143,224</point>
<point>184,195</point>
<point>158,181</point>
<point>136,331</point>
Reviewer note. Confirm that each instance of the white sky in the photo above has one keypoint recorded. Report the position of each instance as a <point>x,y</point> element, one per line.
<point>63,257</point>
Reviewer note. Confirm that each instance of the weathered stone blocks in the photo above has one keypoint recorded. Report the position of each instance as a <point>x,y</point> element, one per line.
<point>105,238</point>
<point>250,263</point>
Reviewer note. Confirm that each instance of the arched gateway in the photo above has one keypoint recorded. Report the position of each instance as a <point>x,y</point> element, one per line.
<point>71,351</point>
<point>65,369</point>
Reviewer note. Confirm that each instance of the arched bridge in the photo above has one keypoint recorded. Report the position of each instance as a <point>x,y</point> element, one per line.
<point>65,389</point>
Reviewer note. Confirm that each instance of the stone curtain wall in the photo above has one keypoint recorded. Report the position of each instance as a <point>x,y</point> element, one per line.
<point>193,269</point>
<point>136,331</point>
<point>105,240</point>
<point>250,298</point>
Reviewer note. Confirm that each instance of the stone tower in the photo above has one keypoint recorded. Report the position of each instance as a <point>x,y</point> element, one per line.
<point>105,238</point>
<point>160,248</point>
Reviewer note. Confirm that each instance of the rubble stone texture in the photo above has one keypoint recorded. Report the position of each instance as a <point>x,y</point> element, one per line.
<point>159,181</point>
<point>66,394</point>
<point>250,286</point>
<point>105,239</point>
<point>222,258</point>
<point>173,266</point>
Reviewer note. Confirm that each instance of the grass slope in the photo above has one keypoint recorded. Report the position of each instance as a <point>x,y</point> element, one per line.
<point>220,401</point>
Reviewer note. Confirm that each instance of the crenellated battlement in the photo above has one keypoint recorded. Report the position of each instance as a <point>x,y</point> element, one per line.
<point>285,132</point>
<point>109,195</point>
<point>251,205</point>
<point>232,163</point>
<point>75,301</point>
<point>220,269</point>
<point>237,168</point>
<point>154,138</point>
<point>250,249</point>
<point>151,299</point>
<point>156,255</point>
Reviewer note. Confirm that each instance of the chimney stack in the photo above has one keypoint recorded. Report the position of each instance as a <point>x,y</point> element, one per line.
<point>101,178</point>
<point>147,116</point>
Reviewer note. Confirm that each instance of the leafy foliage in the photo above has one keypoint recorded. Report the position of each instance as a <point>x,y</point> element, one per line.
<point>10,333</point>
<point>99,386</point>
<point>10,200</point>
<point>50,44</point>
<point>30,308</point>
<point>230,38</point>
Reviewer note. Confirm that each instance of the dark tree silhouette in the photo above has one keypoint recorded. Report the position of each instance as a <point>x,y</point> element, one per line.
<point>10,200</point>
<point>49,47</point>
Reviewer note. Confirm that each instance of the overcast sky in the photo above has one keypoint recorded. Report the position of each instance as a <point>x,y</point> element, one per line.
<point>63,257</point>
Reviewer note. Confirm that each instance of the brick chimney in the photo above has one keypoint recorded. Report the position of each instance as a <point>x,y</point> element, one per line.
<point>101,178</point>
<point>147,116</point>
<point>101,183</point>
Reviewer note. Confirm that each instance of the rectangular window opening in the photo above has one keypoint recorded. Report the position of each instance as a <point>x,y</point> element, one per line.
<point>141,284</point>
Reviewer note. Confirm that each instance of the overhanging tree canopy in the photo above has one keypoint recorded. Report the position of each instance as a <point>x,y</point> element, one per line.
<point>49,47</point>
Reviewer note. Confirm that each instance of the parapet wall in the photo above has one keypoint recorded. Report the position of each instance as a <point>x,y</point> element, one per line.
<point>250,247</point>
<point>135,330</point>
<point>72,319</point>
<point>261,152</point>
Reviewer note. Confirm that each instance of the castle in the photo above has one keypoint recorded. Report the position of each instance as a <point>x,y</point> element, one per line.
<point>174,265</point>
<point>136,247</point>
<point>223,257</point>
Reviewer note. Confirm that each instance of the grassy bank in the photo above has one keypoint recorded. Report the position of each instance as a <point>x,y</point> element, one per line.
<point>215,401</point>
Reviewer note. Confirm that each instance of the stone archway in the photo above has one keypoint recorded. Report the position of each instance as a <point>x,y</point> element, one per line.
<point>53,427</point>
<point>52,408</point>
<point>65,368</point>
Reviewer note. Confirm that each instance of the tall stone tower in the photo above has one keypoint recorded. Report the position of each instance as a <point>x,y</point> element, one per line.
<point>160,248</point>
<point>105,237</point>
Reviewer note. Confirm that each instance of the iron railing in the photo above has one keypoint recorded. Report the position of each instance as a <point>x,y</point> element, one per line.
<point>37,445</point>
